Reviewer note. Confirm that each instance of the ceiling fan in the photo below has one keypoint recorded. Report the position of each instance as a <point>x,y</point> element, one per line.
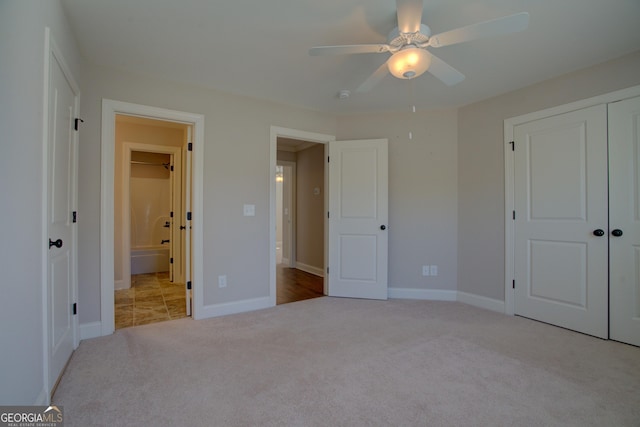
<point>408,44</point>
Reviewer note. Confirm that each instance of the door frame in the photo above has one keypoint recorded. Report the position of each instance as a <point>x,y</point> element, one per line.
<point>129,147</point>
<point>290,187</point>
<point>509,175</point>
<point>277,131</point>
<point>110,108</point>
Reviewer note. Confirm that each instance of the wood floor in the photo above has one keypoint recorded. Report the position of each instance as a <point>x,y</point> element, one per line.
<point>296,285</point>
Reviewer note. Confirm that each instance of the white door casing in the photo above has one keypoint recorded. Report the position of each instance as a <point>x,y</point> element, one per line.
<point>560,182</point>
<point>61,200</point>
<point>186,265</point>
<point>358,207</point>
<point>624,215</point>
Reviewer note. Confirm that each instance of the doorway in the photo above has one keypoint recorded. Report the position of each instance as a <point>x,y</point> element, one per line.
<point>150,232</point>
<point>191,206</point>
<point>300,208</point>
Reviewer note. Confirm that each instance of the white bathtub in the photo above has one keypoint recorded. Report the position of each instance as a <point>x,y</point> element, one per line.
<point>149,259</point>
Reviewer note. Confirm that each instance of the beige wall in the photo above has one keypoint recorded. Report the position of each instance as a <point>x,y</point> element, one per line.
<point>236,172</point>
<point>481,249</point>
<point>423,186</point>
<point>310,207</point>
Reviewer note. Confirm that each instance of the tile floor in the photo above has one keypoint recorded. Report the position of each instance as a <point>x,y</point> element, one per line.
<point>152,298</point>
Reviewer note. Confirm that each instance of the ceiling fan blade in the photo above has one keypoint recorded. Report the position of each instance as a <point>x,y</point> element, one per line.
<point>374,78</point>
<point>409,15</point>
<point>494,27</point>
<point>445,72</point>
<point>348,49</point>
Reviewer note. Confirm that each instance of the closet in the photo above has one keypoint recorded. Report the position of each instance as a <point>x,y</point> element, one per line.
<point>575,239</point>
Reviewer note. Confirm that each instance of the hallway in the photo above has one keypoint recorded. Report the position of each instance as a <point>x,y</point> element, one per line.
<point>296,285</point>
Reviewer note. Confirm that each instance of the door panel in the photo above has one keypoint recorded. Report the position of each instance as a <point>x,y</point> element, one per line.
<point>624,176</point>
<point>560,199</point>
<point>61,200</point>
<point>358,208</point>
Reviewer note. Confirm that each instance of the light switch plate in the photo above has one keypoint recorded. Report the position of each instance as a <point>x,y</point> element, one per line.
<point>249,210</point>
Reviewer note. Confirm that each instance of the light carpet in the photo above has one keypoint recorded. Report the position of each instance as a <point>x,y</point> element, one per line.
<point>348,362</point>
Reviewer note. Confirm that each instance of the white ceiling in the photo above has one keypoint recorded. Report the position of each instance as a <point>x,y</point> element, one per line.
<point>259,48</point>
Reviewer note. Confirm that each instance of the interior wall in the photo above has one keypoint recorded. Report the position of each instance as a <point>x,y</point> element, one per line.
<point>22,30</point>
<point>481,247</point>
<point>310,207</point>
<point>423,176</point>
<point>234,127</point>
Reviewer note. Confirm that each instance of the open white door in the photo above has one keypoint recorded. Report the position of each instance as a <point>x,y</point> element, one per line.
<point>624,220</point>
<point>187,218</point>
<point>358,219</point>
<point>61,201</point>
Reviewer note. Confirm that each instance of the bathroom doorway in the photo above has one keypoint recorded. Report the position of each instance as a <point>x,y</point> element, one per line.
<point>151,234</point>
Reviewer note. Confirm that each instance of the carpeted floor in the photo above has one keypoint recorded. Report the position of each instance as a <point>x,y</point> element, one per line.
<point>347,362</point>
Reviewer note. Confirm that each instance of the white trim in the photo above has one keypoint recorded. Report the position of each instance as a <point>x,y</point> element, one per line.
<point>481,302</point>
<point>291,187</point>
<point>109,110</point>
<point>316,271</point>
<point>422,294</point>
<point>90,330</point>
<point>234,307</point>
<point>276,132</point>
<point>43,398</point>
<point>120,284</point>
<point>509,198</point>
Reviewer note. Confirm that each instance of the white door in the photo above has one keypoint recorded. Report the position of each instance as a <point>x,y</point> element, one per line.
<point>561,220</point>
<point>186,215</point>
<point>624,220</point>
<point>61,200</point>
<point>358,235</point>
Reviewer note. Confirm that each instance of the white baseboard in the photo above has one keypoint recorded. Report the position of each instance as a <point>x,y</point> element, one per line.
<point>285,261</point>
<point>119,284</point>
<point>445,295</point>
<point>423,294</point>
<point>481,302</point>
<point>310,269</point>
<point>90,330</point>
<point>223,309</point>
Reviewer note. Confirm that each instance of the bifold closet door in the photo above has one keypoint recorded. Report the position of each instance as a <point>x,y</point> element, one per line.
<point>624,220</point>
<point>561,220</point>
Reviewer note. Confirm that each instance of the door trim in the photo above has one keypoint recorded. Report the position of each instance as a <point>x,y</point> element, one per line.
<point>109,110</point>
<point>291,226</point>
<point>320,138</point>
<point>509,175</point>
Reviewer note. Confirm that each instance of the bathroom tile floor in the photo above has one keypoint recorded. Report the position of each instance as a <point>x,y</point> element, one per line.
<point>152,298</point>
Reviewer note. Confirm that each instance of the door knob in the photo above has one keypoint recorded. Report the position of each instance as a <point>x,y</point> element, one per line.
<point>598,232</point>
<point>617,232</point>
<point>57,243</point>
<point>383,227</point>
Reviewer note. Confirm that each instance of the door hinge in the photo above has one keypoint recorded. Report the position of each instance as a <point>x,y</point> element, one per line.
<point>190,146</point>
<point>74,308</point>
<point>171,168</point>
<point>328,161</point>
<point>188,216</point>
<point>74,217</point>
<point>328,214</point>
<point>75,123</point>
<point>513,145</point>
<point>170,260</point>
<point>189,284</point>
<point>513,284</point>
<point>327,270</point>
<point>171,214</point>
<point>514,214</point>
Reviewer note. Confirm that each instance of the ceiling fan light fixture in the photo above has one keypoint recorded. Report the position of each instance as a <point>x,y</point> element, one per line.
<point>409,62</point>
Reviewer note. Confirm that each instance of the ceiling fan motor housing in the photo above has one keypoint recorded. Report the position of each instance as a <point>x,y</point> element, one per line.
<point>397,40</point>
<point>409,58</point>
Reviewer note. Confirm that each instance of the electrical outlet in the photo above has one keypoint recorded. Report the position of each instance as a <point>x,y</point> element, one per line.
<point>425,270</point>
<point>222,281</point>
<point>433,270</point>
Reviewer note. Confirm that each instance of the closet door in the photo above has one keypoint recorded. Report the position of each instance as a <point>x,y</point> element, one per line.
<point>624,220</point>
<point>560,246</point>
